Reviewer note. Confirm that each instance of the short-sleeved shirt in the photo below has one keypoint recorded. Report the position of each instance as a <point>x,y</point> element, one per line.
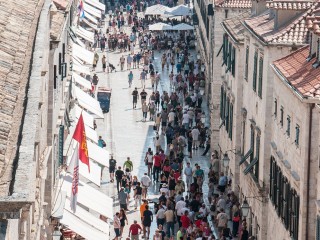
<point>112,163</point>
<point>143,95</point>
<point>185,221</point>
<point>119,174</point>
<point>134,228</point>
<point>147,214</point>
<point>157,161</point>
<point>169,214</point>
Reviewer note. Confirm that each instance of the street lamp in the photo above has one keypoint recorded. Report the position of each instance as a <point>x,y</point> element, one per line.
<point>56,234</point>
<point>226,160</point>
<point>245,208</point>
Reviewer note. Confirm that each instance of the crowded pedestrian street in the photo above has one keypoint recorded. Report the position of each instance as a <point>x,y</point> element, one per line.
<point>154,130</point>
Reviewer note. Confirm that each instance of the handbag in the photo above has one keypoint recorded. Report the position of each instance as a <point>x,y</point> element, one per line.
<point>154,127</point>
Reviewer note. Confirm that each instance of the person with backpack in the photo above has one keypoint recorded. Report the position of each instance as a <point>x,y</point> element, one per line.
<point>112,168</point>
<point>128,164</point>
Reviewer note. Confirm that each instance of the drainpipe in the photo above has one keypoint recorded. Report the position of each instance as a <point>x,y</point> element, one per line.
<point>309,168</point>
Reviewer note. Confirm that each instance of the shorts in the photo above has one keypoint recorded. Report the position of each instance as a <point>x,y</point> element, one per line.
<point>147,224</point>
<point>164,124</point>
<point>117,231</point>
<point>112,169</point>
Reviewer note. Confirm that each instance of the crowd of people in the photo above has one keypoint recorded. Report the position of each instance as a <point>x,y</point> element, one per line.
<point>182,210</point>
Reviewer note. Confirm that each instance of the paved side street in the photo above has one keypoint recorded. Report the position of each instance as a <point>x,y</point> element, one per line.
<point>125,133</point>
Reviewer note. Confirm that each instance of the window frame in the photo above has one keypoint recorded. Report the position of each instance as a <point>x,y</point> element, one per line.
<point>260,77</point>
<point>297,137</point>
<point>246,69</point>
<point>281,115</point>
<point>255,68</point>
<point>288,126</point>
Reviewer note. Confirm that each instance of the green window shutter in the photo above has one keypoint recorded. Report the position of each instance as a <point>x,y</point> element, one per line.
<point>229,57</point>
<point>256,167</point>
<point>271,182</point>
<point>252,143</point>
<point>231,121</point>
<point>260,77</point>
<point>225,50</point>
<point>221,102</point>
<point>247,64</point>
<point>233,62</point>
<point>250,166</point>
<point>227,114</point>
<point>288,125</point>
<point>281,116</point>
<point>318,228</point>
<point>245,157</point>
<point>220,50</point>
<point>254,77</point>
<point>224,47</point>
<point>297,135</point>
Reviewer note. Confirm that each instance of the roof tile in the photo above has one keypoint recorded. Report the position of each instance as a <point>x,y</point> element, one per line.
<point>233,3</point>
<point>299,73</point>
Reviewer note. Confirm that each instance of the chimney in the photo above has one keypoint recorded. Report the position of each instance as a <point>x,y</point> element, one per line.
<point>284,16</point>
<point>258,7</point>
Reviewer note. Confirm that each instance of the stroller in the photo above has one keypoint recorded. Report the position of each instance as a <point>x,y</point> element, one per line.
<point>111,67</point>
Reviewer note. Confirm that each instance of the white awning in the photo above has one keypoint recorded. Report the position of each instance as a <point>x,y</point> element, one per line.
<point>91,10</point>
<point>60,199</point>
<point>82,53</point>
<point>81,44</point>
<point>87,118</point>
<point>90,17</point>
<point>87,102</point>
<point>98,154</point>
<point>94,175</point>
<point>82,81</point>
<point>90,133</point>
<point>90,197</point>
<point>95,170</point>
<point>83,35</point>
<point>86,32</point>
<point>88,217</point>
<point>81,227</point>
<point>96,4</point>
<point>80,68</point>
<point>92,25</point>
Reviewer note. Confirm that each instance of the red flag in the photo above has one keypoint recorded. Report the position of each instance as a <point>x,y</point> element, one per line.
<point>80,136</point>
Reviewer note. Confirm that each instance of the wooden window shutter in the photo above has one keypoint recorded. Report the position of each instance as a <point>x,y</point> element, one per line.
<point>254,77</point>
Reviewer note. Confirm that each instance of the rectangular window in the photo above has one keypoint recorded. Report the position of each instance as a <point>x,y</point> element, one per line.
<point>297,139</point>
<point>247,64</point>
<point>288,125</point>
<point>275,108</point>
<point>281,116</point>
<point>318,228</point>
<point>227,114</point>
<point>256,166</point>
<point>221,102</point>
<point>255,65</point>
<point>260,77</point>
<point>225,50</point>
<point>233,62</point>
<point>252,142</point>
<point>231,121</point>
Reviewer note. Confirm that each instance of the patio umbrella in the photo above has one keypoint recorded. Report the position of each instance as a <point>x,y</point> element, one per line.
<point>160,27</point>
<point>157,9</point>
<point>182,27</point>
<point>180,10</point>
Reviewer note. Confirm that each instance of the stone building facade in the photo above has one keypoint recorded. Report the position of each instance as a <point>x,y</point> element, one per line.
<point>270,126</point>
<point>34,99</point>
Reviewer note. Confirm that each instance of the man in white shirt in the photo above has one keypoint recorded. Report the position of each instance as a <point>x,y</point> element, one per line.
<point>116,225</point>
<point>171,116</point>
<point>145,182</point>
<point>185,120</point>
<point>160,216</point>
<point>164,189</point>
<point>195,136</point>
<point>179,206</point>
<point>188,173</point>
